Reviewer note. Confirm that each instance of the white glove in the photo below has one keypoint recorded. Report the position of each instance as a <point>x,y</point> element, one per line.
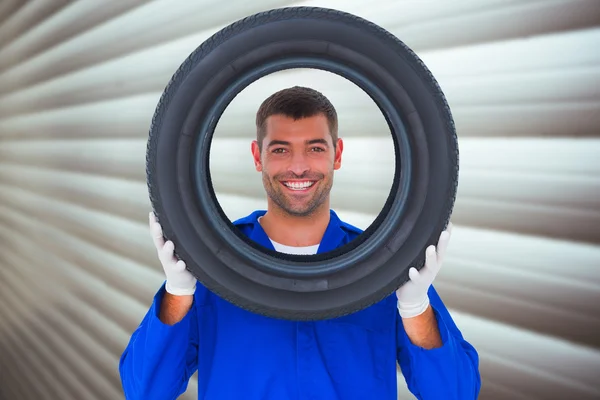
<point>412,296</point>
<point>180,281</point>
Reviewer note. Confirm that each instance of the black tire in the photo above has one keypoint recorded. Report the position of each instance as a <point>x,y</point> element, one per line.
<point>303,287</point>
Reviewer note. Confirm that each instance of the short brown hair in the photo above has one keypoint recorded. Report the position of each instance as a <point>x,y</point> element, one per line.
<point>296,102</point>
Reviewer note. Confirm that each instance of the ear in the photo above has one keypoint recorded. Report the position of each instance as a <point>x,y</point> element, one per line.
<point>339,148</point>
<point>256,155</point>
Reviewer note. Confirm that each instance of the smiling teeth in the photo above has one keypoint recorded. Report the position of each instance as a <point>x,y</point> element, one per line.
<point>298,185</point>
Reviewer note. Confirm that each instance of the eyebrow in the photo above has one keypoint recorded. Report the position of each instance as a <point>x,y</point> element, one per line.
<point>308,142</point>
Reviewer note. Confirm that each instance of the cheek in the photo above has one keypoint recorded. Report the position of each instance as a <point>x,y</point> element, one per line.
<point>275,162</point>
<point>269,168</point>
<point>323,162</point>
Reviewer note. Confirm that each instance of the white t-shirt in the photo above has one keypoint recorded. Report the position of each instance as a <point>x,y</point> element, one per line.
<point>306,250</point>
<point>282,248</point>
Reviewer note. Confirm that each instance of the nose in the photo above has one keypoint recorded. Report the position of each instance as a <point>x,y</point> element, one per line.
<point>299,164</point>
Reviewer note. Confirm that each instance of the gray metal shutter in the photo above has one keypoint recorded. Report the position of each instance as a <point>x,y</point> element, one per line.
<point>79,81</point>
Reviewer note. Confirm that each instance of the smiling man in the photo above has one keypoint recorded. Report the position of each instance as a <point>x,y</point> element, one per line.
<point>297,149</point>
<point>239,354</point>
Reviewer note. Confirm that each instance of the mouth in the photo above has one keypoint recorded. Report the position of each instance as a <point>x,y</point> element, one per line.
<point>298,186</point>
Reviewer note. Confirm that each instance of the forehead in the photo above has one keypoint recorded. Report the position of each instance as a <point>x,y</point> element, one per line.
<point>283,127</point>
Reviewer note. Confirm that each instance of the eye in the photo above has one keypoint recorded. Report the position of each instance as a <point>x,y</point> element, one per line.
<point>278,150</point>
<point>317,149</point>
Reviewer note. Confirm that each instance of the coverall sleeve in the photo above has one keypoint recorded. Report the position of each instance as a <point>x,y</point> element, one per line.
<point>160,359</point>
<point>450,372</point>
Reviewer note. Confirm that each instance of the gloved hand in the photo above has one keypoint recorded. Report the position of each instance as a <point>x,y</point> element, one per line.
<point>180,281</point>
<point>412,296</point>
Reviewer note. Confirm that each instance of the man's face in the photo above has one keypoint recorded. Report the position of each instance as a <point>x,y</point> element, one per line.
<point>297,162</point>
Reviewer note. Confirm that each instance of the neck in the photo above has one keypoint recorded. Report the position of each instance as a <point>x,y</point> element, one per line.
<point>292,230</point>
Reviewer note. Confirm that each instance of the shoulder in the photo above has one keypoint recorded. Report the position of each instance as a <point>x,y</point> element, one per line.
<point>349,229</point>
<point>248,222</point>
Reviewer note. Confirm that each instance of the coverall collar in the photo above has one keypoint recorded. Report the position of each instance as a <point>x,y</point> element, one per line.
<point>332,238</point>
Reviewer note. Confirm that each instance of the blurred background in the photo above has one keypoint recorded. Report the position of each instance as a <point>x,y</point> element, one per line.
<point>79,82</point>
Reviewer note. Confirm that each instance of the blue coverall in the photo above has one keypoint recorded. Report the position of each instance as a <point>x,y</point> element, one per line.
<point>242,355</point>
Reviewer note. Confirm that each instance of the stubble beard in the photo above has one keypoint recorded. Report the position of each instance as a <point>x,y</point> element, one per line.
<point>276,193</point>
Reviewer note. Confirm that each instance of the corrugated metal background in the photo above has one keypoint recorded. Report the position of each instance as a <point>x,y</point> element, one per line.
<point>79,81</point>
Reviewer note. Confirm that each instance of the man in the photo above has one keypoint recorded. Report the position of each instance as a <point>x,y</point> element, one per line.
<point>242,355</point>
